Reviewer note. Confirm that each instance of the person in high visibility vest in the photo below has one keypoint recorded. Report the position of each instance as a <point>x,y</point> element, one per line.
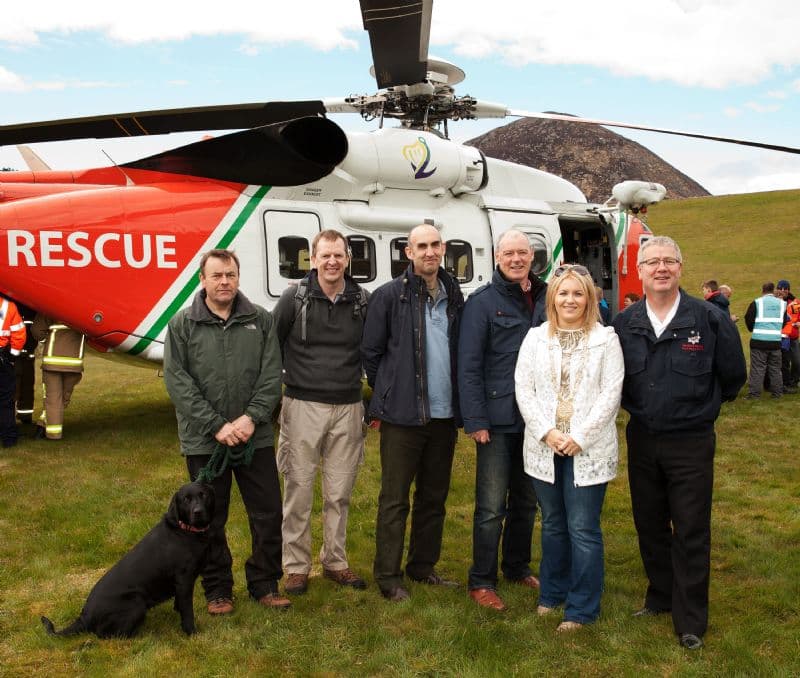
<point>62,370</point>
<point>12,339</point>
<point>764,318</point>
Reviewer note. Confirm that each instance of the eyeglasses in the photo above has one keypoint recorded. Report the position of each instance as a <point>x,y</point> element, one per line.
<point>567,268</point>
<point>669,262</point>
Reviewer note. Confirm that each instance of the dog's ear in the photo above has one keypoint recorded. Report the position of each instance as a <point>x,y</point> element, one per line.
<point>172,516</point>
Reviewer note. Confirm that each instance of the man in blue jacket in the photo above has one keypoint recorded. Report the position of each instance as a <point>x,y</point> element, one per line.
<point>409,350</point>
<point>683,358</point>
<point>496,320</point>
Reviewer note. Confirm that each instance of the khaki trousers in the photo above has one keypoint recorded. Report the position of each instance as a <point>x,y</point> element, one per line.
<point>58,387</point>
<point>312,434</point>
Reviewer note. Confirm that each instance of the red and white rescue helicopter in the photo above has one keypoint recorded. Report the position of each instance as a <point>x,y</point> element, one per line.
<point>114,251</point>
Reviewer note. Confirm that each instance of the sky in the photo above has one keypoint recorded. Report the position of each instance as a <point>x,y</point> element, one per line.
<point>722,67</point>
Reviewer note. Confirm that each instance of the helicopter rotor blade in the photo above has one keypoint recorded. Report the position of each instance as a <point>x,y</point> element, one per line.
<point>143,123</point>
<point>398,34</point>
<point>661,130</point>
<point>282,154</point>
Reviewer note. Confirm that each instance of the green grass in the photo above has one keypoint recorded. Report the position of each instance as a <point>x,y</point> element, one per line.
<point>69,510</point>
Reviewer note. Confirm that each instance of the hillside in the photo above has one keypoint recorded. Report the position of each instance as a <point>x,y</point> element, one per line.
<point>741,240</point>
<point>591,157</point>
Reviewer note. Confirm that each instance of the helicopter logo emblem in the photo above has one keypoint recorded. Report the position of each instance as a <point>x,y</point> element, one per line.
<point>419,155</point>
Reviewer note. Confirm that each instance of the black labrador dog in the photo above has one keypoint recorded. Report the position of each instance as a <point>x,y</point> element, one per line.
<point>163,565</point>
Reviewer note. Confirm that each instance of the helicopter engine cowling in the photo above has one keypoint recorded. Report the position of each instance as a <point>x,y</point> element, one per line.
<point>638,194</point>
<point>412,159</point>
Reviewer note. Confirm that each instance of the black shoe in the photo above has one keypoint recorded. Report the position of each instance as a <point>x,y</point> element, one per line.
<point>397,595</point>
<point>434,579</point>
<point>691,641</point>
<point>649,612</point>
<point>790,389</point>
<point>40,433</point>
<point>9,442</point>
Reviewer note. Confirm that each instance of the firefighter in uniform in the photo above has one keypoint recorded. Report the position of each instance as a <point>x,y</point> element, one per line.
<point>12,339</point>
<point>62,369</point>
<point>26,369</point>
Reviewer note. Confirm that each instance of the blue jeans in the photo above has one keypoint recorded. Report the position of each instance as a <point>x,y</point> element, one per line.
<point>571,571</point>
<point>505,504</point>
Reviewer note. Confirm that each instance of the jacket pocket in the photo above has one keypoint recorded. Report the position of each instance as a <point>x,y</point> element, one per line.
<point>501,403</point>
<point>507,334</point>
<point>691,377</point>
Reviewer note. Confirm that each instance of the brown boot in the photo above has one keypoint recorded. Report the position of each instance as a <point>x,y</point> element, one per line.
<point>275,600</point>
<point>220,606</point>
<point>296,584</point>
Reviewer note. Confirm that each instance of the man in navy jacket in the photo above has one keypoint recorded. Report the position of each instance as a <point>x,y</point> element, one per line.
<point>496,320</point>
<point>683,358</point>
<point>409,349</point>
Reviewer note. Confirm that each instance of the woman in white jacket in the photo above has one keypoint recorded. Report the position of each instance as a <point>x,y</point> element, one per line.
<point>568,382</point>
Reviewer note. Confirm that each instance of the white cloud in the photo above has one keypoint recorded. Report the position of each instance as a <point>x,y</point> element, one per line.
<point>12,82</point>
<point>709,43</point>
<point>762,108</point>
<point>777,94</point>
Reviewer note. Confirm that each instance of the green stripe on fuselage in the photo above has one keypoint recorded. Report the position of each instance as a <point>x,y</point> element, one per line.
<point>194,280</point>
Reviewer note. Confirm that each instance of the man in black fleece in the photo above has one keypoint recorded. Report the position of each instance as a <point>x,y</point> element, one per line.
<point>319,324</point>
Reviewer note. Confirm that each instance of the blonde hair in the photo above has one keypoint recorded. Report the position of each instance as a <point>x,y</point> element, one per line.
<point>591,315</point>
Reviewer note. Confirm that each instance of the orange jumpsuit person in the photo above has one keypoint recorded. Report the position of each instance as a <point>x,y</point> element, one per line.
<point>12,339</point>
<point>62,369</point>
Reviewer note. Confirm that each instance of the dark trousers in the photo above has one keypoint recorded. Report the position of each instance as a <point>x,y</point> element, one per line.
<point>261,495</point>
<point>8,423</point>
<point>423,455</point>
<point>25,383</point>
<point>790,364</point>
<point>671,480</point>
<point>505,504</point>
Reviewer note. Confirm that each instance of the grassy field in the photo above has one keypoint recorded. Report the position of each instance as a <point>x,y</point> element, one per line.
<point>70,509</point>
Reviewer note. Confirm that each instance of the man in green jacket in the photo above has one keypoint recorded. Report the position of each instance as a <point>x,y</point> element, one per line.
<point>222,369</point>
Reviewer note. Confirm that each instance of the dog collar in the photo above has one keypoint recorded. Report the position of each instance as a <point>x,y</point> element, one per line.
<point>191,528</point>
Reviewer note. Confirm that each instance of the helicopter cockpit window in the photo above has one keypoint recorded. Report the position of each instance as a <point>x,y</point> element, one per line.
<point>458,260</point>
<point>293,253</point>
<point>399,258</point>
<point>541,253</point>
<point>362,258</point>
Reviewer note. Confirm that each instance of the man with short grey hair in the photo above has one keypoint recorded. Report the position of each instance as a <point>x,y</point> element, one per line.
<point>496,320</point>
<point>683,359</point>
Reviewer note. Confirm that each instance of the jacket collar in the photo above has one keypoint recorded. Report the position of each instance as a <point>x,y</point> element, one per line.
<point>199,312</point>
<point>414,284</point>
<point>683,316</point>
<point>507,287</point>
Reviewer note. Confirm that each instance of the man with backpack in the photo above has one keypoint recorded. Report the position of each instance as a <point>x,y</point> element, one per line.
<point>319,324</point>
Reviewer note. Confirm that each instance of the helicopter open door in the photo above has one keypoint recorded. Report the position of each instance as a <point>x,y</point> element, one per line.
<point>588,239</point>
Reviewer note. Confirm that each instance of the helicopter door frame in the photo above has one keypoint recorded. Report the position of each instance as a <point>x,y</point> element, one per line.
<point>288,235</point>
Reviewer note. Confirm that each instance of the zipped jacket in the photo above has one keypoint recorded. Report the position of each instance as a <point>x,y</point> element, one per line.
<point>678,381</point>
<point>12,328</point>
<point>324,366</point>
<point>216,370</point>
<point>393,348</point>
<point>790,329</point>
<point>496,320</point>
<point>63,346</point>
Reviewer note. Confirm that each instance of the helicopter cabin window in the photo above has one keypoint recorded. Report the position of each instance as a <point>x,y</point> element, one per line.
<point>541,253</point>
<point>294,261</point>
<point>362,258</point>
<point>458,260</point>
<point>399,259</point>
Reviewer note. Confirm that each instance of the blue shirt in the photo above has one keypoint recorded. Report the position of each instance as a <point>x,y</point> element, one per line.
<point>437,358</point>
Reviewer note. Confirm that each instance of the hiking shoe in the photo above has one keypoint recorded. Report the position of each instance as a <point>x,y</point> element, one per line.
<point>345,577</point>
<point>433,579</point>
<point>220,606</point>
<point>275,600</point>
<point>296,584</point>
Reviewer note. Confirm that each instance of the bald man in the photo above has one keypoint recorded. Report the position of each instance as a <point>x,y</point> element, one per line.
<point>409,350</point>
